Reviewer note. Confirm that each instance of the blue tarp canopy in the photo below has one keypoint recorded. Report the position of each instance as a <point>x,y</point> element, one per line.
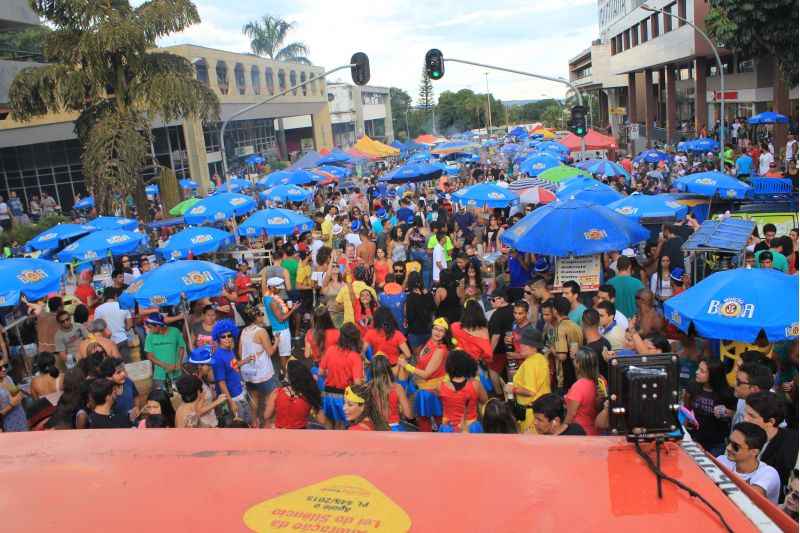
<point>308,160</point>
<point>730,235</point>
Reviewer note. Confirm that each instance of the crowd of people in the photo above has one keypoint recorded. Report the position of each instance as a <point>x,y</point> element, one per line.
<point>401,311</point>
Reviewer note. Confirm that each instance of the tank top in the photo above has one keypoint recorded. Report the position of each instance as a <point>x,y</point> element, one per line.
<point>459,406</point>
<point>450,307</point>
<point>394,410</point>
<point>277,325</point>
<point>291,411</point>
<point>425,356</point>
<point>261,369</point>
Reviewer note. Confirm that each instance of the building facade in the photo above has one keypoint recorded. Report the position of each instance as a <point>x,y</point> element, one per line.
<point>43,155</point>
<point>357,111</point>
<point>671,85</point>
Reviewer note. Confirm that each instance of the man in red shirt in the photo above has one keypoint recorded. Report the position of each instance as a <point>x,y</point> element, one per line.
<point>244,285</point>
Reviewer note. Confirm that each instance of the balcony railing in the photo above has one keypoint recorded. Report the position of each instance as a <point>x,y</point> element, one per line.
<point>21,55</point>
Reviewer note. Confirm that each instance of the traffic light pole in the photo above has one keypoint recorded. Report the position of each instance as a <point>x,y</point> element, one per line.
<point>530,75</point>
<point>265,101</point>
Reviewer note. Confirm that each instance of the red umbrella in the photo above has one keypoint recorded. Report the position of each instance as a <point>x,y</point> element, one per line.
<point>536,195</point>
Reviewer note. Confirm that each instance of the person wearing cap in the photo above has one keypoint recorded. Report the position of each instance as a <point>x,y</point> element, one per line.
<point>676,281</point>
<point>532,378</point>
<point>165,348</point>
<point>278,311</point>
<point>352,236</point>
<point>198,364</point>
<point>500,324</point>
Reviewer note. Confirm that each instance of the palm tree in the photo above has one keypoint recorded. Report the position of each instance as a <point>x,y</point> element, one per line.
<point>267,36</point>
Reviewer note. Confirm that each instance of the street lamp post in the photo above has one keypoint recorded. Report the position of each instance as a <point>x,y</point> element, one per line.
<point>488,105</point>
<point>721,80</point>
<point>265,101</point>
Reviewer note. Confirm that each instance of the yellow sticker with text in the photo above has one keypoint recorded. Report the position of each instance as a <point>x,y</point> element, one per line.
<point>342,504</point>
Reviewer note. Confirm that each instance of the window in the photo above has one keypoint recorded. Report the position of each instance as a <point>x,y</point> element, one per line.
<point>626,39</point>
<point>634,36</point>
<point>281,80</point>
<point>293,81</point>
<point>270,79</point>
<point>681,12</point>
<point>304,88</point>
<point>645,36</point>
<point>255,79</point>
<point>745,65</point>
<point>613,46</point>
<point>370,98</point>
<point>241,84</point>
<point>201,71</point>
<point>222,77</point>
<point>712,69</point>
<point>654,25</point>
<point>668,18</point>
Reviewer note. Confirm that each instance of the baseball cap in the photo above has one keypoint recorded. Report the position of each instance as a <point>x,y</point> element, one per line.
<point>355,225</point>
<point>275,282</point>
<point>541,265</point>
<point>677,274</point>
<point>628,252</point>
<point>155,319</point>
<point>380,213</point>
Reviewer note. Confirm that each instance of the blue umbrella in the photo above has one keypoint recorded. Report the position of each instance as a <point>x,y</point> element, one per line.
<point>638,206</point>
<point>586,163</point>
<point>219,207</point>
<point>339,172</point>
<point>33,278</point>
<point>538,163</point>
<point>196,240</point>
<point>336,157</point>
<point>701,145</point>
<point>275,221</point>
<point>102,243</point>
<point>574,185</point>
<point>768,117</point>
<point>489,142</point>
<point>419,157</point>
<point>286,193</point>
<point>254,159</point>
<point>524,184</point>
<point>652,157</point>
<point>51,238</point>
<point>486,195</point>
<point>87,202</point>
<point>599,193</point>
<point>574,228</point>
<point>737,305</point>
<point>450,170</point>
<point>188,184</point>
<point>346,185</point>
<point>170,282</point>
<point>287,177</point>
<point>552,146</point>
<point>712,183</point>
<point>606,168</point>
<point>151,190</point>
<point>510,148</point>
<point>235,185</point>
<point>113,223</point>
<point>412,172</point>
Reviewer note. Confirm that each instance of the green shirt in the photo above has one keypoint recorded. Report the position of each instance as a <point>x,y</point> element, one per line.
<point>165,348</point>
<point>778,261</point>
<point>290,264</point>
<point>626,287</point>
<point>448,245</point>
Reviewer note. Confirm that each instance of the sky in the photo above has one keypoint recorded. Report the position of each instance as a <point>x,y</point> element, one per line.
<point>538,36</point>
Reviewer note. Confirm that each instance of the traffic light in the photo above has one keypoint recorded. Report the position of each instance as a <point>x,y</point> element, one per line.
<point>360,68</point>
<point>577,122</point>
<point>434,64</point>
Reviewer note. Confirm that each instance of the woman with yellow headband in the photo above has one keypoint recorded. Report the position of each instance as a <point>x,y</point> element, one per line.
<point>361,411</point>
<point>429,374</point>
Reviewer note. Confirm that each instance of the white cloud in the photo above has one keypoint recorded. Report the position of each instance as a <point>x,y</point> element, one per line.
<point>533,35</point>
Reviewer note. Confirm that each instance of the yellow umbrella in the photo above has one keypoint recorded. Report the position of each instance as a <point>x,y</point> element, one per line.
<point>547,134</point>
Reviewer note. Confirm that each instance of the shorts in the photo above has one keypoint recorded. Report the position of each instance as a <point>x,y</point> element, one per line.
<point>265,388</point>
<point>284,340</point>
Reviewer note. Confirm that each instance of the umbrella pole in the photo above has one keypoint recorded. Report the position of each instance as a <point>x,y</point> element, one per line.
<point>185,310</point>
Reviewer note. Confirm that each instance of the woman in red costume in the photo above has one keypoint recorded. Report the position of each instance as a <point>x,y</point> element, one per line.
<point>461,394</point>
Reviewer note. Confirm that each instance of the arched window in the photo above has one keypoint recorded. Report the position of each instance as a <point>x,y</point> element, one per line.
<point>241,84</point>
<point>281,80</point>
<point>303,80</point>
<point>201,70</point>
<point>255,79</point>
<point>270,79</point>
<point>222,77</point>
<point>293,81</point>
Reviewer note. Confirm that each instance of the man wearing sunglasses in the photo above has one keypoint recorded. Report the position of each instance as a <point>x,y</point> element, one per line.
<point>741,458</point>
<point>67,340</point>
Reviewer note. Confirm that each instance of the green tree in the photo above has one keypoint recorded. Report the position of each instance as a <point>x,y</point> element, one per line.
<point>401,103</point>
<point>553,116</point>
<point>267,38</point>
<point>425,99</point>
<point>758,29</point>
<point>17,44</point>
<point>102,67</point>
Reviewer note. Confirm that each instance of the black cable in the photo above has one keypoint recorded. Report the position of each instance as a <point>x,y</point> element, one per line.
<point>661,475</point>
